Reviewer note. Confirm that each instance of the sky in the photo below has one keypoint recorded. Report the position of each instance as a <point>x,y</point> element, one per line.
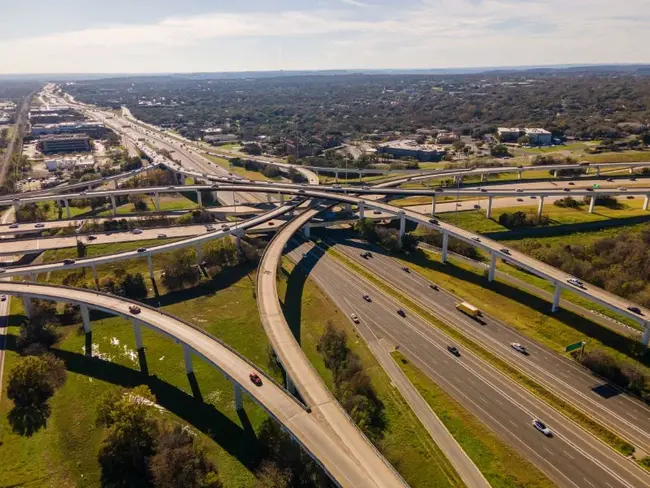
<point>162,36</point>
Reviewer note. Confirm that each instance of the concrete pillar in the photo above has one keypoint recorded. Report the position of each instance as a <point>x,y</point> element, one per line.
<point>556,298</point>
<point>281,196</point>
<point>150,264</point>
<point>631,170</point>
<point>482,176</point>
<point>187,356</point>
<point>646,202</point>
<point>306,230</point>
<point>540,207</point>
<point>336,176</point>
<point>291,387</point>
<point>493,266</point>
<point>29,307</point>
<point>85,317</point>
<point>519,175</point>
<point>158,201</point>
<point>268,197</point>
<point>348,208</point>
<point>115,183</point>
<point>592,202</point>
<point>239,404</point>
<point>402,226</point>
<point>433,206</point>
<point>95,274</point>
<point>66,202</point>
<point>362,208</point>
<point>113,205</point>
<point>646,335</point>
<point>598,171</point>
<point>488,212</point>
<point>137,332</point>
<point>199,198</point>
<point>198,254</point>
<point>90,187</point>
<point>445,245</point>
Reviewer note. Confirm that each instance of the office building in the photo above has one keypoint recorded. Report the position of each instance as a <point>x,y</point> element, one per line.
<point>93,129</point>
<point>411,149</point>
<point>64,143</point>
<point>509,134</point>
<point>539,137</point>
<point>69,163</point>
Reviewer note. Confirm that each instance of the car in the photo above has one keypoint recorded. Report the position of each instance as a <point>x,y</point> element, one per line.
<point>3,298</point>
<point>401,312</point>
<point>40,225</point>
<point>68,261</point>
<point>533,197</point>
<point>364,255</point>
<point>575,282</point>
<point>518,347</point>
<point>405,269</point>
<point>301,191</point>
<point>92,237</point>
<point>622,188</point>
<point>134,309</point>
<point>439,189</point>
<point>210,228</point>
<point>255,379</point>
<point>2,270</point>
<point>477,207</point>
<point>571,183</point>
<point>214,185</point>
<point>635,310</point>
<point>367,298</point>
<point>354,318</point>
<point>630,197</point>
<point>225,226</point>
<point>161,236</point>
<point>13,226</point>
<point>142,249</point>
<point>137,231</point>
<point>376,212</point>
<point>85,192</point>
<point>519,190</point>
<point>433,286</point>
<point>505,250</point>
<point>484,190</point>
<point>633,178</point>
<point>589,189</point>
<point>15,200</point>
<point>434,221</point>
<point>539,425</point>
<point>476,239</point>
<point>520,199</point>
<point>611,180</point>
<point>171,187</point>
<point>454,350</point>
<point>566,189</point>
<point>336,186</point>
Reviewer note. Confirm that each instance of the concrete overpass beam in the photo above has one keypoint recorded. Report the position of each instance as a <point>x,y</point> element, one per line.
<point>362,208</point>
<point>239,404</point>
<point>85,317</point>
<point>540,207</point>
<point>433,206</point>
<point>445,245</point>
<point>150,265</point>
<point>199,198</point>
<point>137,332</point>
<point>556,298</point>
<point>493,266</point>
<point>488,212</point>
<point>646,335</point>
<point>592,202</point>
<point>29,307</point>
<point>113,205</point>
<point>402,226</point>
<point>187,356</point>
<point>646,202</point>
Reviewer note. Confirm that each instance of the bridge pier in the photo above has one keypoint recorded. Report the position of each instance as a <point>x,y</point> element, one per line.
<point>187,356</point>
<point>137,332</point>
<point>631,170</point>
<point>348,208</point>
<point>113,204</point>
<point>556,298</point>
<point>519,175</point>
<point>290,385</point>
<point>488,212</point>
<point>85,317</point>
<point>433,206</point>
<point>281,197</point>
<point>540,207</point>
<point>95,275</point>
<point>646,335</point>
<point>199,198</point>
<point>646,202</point>
<point>493,265</point>
<point>157,202</point>
<point>445,245</point>
<point>239,404</point>
<point>306,231</point>
<point>198,254</point>
<point>150,265</point>
<point>115,184</point>
<point>336,176</point>
<point>482,177</point>
<point>402,226</point>
<point>362,208</point>
<point>29,307</point>
<point>592,202</point>
<point>66,202</point>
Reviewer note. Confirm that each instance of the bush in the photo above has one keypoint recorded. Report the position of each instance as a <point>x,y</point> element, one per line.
<point>568,202</point>
<point>181,270</point>
<point>604,201</point>
<point>519,219</point>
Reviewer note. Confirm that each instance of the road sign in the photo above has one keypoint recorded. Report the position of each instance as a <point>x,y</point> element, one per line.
<point>574,347</point>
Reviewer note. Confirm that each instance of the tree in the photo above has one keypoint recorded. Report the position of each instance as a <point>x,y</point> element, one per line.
<point>37,330</point>
<point>180,462</point>
<point>269,475</point>
<point>500,151</point>
<point>132,286</point>
<point>34,379</point>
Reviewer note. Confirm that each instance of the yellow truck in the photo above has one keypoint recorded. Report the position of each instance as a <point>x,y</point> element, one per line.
<point>469,309</point>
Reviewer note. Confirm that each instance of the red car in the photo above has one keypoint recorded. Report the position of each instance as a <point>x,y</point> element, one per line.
<point>255,378</point>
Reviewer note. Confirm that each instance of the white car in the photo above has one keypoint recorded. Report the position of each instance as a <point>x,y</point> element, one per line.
<point>137,231</point>
<point>3,298</point>
<point>354,318</point>
<point>518,347</point>
<point>575,282</point>
<point>539,425</point>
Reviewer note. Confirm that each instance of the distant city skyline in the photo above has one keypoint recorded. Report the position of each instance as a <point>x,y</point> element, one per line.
<point>164,36</point>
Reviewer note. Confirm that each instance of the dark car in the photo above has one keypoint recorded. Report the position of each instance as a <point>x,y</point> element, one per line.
<point>433,286</point>
<point>566,189</point>
<point>255,379</point>
<point>406,270</point>
<point>134,309</point>
<point>589,189</point>
<point>68,261</point>
<point>505,251</point>
<point>434,222</point>
<point>142,249</point>
<point>401,312</point>
<point>484,190</point>
<point>92,238</point>
<point>439,189</point>
<point>454,350</point>
<point>634,309</point>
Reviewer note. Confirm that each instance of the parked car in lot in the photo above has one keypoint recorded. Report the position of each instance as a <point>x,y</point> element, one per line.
<point>454,350</point>
<point>539,425</point>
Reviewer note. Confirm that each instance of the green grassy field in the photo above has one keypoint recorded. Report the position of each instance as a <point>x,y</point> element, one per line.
<point>251,175</point>
<point>501,465</point>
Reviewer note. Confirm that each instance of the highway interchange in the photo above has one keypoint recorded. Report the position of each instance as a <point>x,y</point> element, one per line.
<point>571,458</point>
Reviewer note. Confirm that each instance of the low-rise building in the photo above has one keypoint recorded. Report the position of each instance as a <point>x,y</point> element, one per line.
<point>55,164</point>
<point>509,134</point>
<point>217,138</point>
<point>64,143</point>
<point>411,149</point>
<point>539,137</point>
<point>447,138</point>
<point>93,129</point>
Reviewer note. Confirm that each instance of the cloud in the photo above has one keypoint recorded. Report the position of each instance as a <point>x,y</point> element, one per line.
<point>357,3</point>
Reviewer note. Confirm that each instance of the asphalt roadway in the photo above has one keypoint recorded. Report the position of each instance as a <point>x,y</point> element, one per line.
<point>600,399</point>
<point>571,458</point>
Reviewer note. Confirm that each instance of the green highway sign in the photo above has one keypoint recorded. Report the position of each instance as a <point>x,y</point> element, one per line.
<point>573,347</point>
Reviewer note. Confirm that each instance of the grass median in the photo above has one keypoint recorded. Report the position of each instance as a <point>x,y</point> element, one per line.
<point>568,410</point>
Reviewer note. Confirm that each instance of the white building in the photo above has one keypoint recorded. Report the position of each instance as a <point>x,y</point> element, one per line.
<point>69,163</point>
<point>509,134</point>
<point>539,137</point>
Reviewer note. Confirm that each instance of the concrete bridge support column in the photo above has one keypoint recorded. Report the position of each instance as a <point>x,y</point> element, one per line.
<point>157,202</point>
<point>540,207</point>
<point>90,188</point>
<point>348,208</point>
<point>291,387</point>
<point>592,202</point>
<point>187,356</point>
<point>433,206</point>
<point>646,335</point>
<point>336,176</point>
<point>199,198</point>
<point>632,170</point>
<point>482,176</point>
<point>198,254</point>
<point>115,183</point>
<point>113,205</point>
<point>646,202</point>
<point>95,275</point>
<point>137,332</point>
<point>85,317</point>
<point>150,264</point>
<point>598,171</point>
<point>66,202</point>
<point>281,197</point>
<point>488,212</point>
<point>239,404</point>
<point>556,298</point>
<point>445,245</point>
<point>29,307</point>
<point>402,226</point>
<point>493,266</point>
<point>362,208</point>
<point>306,231</point>
<point>519,175</point>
